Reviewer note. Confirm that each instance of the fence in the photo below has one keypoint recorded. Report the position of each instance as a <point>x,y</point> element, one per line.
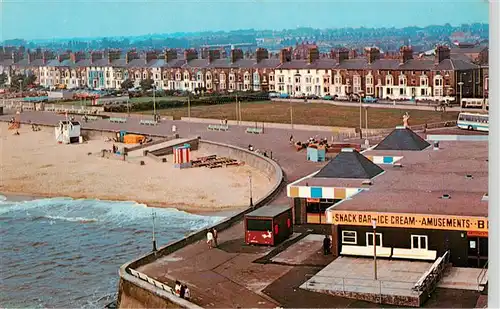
<point>150,280</point>
<point>482,275</point>
<point>429,280</point>
<point>359,285</point>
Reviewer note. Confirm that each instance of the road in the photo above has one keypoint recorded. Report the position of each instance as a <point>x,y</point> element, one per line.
<point>407,105</point>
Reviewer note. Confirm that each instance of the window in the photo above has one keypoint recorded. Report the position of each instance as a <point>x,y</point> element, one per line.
<point>259,225</point>
<point>438,81</point>
<point>369,239</point>
<point>419,242</point>
<point>349,237</point>
<point>369,80</point>
<point>271,78</point>
<point>388,80</point>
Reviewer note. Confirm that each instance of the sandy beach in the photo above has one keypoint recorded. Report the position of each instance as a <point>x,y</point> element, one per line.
<point>33,164</point>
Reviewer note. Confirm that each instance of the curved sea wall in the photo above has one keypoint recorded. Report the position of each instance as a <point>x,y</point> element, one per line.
<point>136,290</point>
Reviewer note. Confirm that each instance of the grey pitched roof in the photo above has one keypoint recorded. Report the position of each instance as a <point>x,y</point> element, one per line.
<point>269,211</point>
<point>267,64</point>
<point>417,65</point>
<point>349,164</point>
<point>402,138</point>
<point>196,63</point>
<point>137,63</point>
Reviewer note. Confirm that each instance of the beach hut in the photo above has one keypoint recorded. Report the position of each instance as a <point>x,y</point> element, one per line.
<point>68,132</point>
<point>269,225</point>
<point>182,156</point>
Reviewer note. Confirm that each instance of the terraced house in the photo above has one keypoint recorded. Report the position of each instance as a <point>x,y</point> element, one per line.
<point>303,71</point>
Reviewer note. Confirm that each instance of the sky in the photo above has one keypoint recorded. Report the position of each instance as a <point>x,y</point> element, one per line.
<point>46,19</point>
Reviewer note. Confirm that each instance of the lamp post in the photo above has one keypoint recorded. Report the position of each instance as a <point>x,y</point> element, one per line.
<point>154,239</point>
<point>460,84</point>
<point>374,225</point>
<point>360,114</point>
<point>154,102</point>
<point>250,187</point>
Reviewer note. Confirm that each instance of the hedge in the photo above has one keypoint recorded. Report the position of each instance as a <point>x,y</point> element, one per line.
<point>166,104</point>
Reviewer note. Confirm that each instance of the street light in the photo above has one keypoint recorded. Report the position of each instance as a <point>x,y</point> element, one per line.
<point>460,84</point>
<point>360,113</point>
<point>154,102</point>
<point>154,239</point>
<point>250,187</point>
<point>374,225</point>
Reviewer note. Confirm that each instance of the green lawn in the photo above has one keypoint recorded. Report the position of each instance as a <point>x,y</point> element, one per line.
<point>311,114</point>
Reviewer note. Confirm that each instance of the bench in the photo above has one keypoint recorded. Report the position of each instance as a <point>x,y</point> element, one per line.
<point>148,122</point>
<point>365,251</point>
<point>414,254</point>
<point>118,120</point>
<point>254,130</point>
<point>217,127</point>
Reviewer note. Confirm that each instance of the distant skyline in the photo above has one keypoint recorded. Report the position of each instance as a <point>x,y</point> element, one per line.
<point>60,19</point>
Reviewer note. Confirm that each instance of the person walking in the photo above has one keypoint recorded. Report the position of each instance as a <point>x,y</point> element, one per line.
<point>214,232</point>
<point>327,243</point>
<point>210,239</point>
<point>177,288</point>
<point>183,291</point>
<point>187,293</point>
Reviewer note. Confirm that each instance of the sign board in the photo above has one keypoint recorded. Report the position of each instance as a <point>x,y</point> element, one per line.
<point>312,200</point>
<point>405,220</point>
<point>477,234</point>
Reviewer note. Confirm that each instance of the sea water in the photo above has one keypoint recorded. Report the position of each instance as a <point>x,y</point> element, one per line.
<point>66,253</point>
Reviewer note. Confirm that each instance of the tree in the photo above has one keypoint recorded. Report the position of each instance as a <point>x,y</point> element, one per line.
<point>3,79</point>
<point>127,84</point>
<point>16,81</point>
<point>146,84</point>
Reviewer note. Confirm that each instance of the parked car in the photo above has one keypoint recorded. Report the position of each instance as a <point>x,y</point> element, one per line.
<point>328,97</point>
<point>274,95</point>
<point>370,100</point>
<point>312,97</point>
<point>284,96</point>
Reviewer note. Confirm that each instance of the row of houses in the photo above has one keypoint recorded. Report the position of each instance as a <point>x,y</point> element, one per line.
<point>446,72</point>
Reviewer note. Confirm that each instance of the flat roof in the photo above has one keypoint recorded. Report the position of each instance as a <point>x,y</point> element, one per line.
<point>269,211</point>
<point>424,176</point>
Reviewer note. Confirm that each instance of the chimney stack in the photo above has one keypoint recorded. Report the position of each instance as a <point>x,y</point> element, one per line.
<point>313,54</point>
<point>372,54</point>
<point>261,54</point>
<point>62,57</point>
<point>131,55</point>
<point>442,53</point>
<point>31,57</point>
<point>236,54</point>
<point>342,54</point>
<point>151,55</point>
<point>47,56</point>
<point>190,54</point>
<point>95,56</point>
<point>213,54</point>
<point>285,55</point>
<point>78,56</point>
<point>17,56</point>
<point>113,55</point>
<point>405,54</point>
<point>170,54</point>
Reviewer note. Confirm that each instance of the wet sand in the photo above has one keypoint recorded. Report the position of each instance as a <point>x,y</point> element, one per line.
<point>32,165</point>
